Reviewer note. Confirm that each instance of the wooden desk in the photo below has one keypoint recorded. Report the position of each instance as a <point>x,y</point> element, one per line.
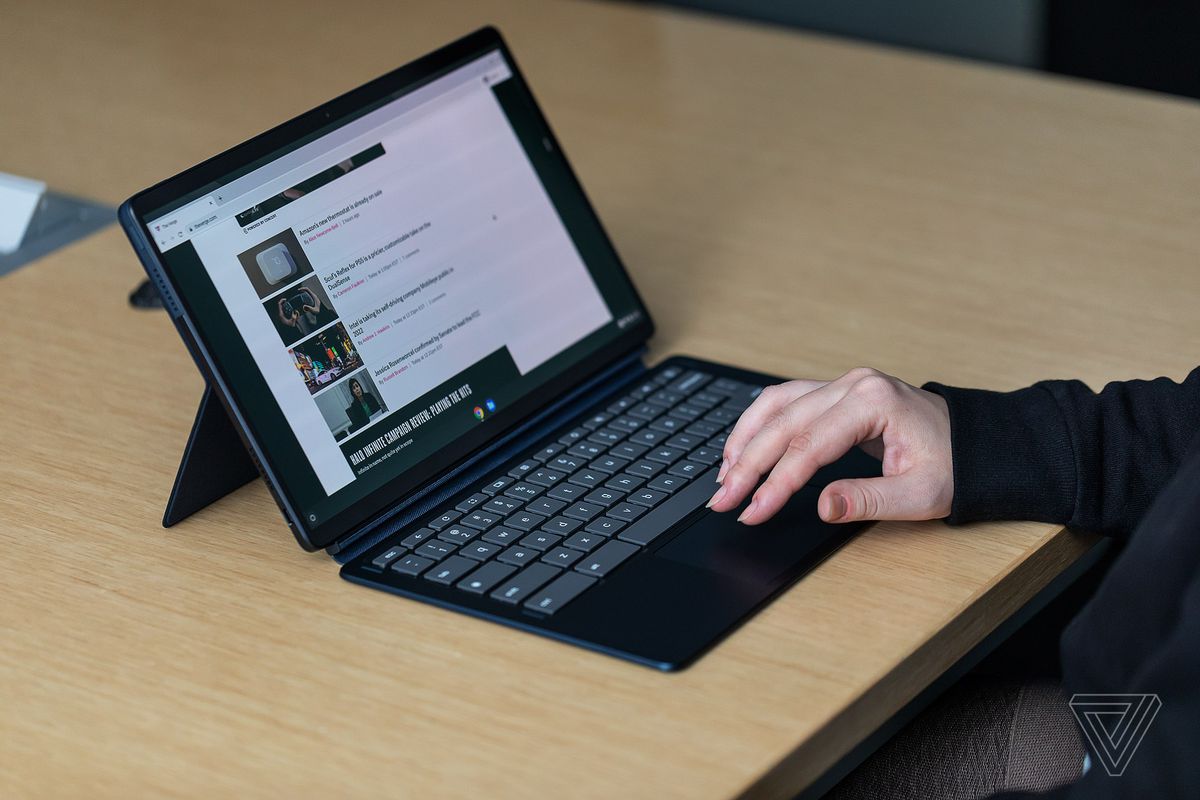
<point>792,203</point>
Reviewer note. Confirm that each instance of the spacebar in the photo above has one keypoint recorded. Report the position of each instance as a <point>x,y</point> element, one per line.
<point>678,506</point>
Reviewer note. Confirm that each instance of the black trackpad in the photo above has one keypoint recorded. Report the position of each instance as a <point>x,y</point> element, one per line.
<point>761,553</point>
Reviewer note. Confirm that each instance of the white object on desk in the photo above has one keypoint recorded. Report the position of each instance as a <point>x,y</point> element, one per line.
<point>18,200</point>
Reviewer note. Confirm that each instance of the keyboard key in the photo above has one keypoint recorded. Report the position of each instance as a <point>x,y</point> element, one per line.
<point>649,438</point>
<point>565,463</point>
<point>446,518</point>
<point>480,519</point>
<point>588,450</point>
<point>519,555</point>
<point>541,540</point>
<point>645,469</point>
<point>665,397</point>
<point>411,565</point>
<point>704,428</point>
<point>548,452</point>
<point>691,382</point>
<point>687,469</point>
<point>583,541</point>
<point>546,506</point>
<point>625,512</point>
<point>627,450</point>
<point>583,511</point>
<point>414,539</point>
<point>458,534</point>
<point>524,583</point>
<point>705,399</point>
<point>606,559</point>
<point>646,411</point>
<point>545,477</point>
<point>451,570</point>
<point>523,491</point>
<point>626,424</point>
<point>687,412</point>
<point>501,535</point>
<point>498,485</point>
<point>721,416</point>
<point>647,497</point>
<point>604,526</point>
<point>728,386</point>
<point>524,468</point>
<point>586,478</point>
<point>668,374</point>
<point>647,388</point>
<point>624,404</point>
<point>625,482</point>
<point>609,464</point>
<point>435,549</point>
<point>486,577</point>
<point>571,437</point>
<point>471,502</point>
<point>562,525</point>
<point>480,551</point>
<point>605,496</point>
<point>597,421</point>
<point>664,455</point>
<point>685,441</point>
<point>525,521</point>
<point>705,455</point>
<point>718,441</point>
<point>680,505</point>
<point>502,505</point>
<point>606,436</point>
<point>566,492</point>
<point>667,483</point>
<point>387,557</point>
<point>562,557</point>
<point>667,425</point>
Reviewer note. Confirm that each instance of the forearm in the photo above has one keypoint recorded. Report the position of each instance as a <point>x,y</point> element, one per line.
<point>1058,452</point>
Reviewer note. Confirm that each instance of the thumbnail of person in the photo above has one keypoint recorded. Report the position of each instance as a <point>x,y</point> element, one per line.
<point>300,310</point>
<point>272,264</point>
<point>351,405</point>
<point>324,359</point>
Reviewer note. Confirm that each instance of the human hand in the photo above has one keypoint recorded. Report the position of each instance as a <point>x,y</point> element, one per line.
<point>795,428</point>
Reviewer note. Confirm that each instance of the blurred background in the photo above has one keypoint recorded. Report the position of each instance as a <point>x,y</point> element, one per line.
<point>1148,44</point>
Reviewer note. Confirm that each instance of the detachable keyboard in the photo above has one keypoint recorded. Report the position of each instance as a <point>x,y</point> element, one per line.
<point>549,526</point>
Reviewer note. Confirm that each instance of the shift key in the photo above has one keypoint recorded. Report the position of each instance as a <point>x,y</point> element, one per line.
<point>524,583</point>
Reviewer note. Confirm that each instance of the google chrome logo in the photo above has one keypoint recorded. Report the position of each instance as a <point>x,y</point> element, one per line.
<point>479,413</point>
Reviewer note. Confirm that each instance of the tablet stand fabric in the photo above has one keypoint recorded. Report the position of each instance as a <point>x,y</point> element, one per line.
<point>214,463</point>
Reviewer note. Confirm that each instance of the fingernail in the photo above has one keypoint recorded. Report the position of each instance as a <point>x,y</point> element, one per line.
<point>837,507</point>
<point>723,470</point>
<point>716,498</point>
<point>749,510</point>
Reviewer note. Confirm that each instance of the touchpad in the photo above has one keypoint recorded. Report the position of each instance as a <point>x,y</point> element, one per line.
<point>758,553</point>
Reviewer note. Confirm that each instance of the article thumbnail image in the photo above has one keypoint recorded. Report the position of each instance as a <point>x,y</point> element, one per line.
<point>300,310</point>
<point>351,405</point>
<point>272,264</point>
<point>324,359</point>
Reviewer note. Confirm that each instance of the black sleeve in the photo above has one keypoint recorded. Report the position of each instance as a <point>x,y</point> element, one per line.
<point>1058,452</point>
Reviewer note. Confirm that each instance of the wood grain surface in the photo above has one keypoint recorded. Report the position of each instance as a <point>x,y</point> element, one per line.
<point>789,203</point>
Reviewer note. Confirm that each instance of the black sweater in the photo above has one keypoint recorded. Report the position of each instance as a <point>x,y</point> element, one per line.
<point>1125,462</point>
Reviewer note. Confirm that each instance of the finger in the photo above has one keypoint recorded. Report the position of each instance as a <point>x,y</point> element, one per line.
<point>767,404</point>
<point>822,442</point>
<point>769,443</point>
<point>909,495</point>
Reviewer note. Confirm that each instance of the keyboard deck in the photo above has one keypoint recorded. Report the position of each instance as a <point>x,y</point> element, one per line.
<point>551,525</point>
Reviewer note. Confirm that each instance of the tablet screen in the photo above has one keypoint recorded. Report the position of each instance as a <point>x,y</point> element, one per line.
<point>390,288</point>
